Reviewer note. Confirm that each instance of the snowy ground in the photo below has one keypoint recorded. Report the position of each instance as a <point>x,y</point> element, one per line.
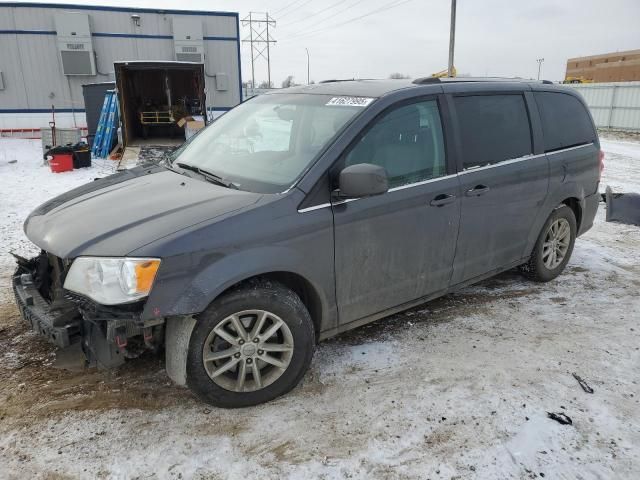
<point>458,388</point>
<point>26,183</point>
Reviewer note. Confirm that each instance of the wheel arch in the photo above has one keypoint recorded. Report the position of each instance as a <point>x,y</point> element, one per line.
<point>569,194</point>
<point>574,204</point>
<point>295,282</point>
<point>194,283</point>
<point>179,328</point>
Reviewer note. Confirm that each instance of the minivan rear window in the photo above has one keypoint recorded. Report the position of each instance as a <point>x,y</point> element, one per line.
<point>565,121</point>
<point>493,128</point>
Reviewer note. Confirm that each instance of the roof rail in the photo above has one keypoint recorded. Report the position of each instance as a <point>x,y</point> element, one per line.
<point>335,80</point>
<point>429,80</point>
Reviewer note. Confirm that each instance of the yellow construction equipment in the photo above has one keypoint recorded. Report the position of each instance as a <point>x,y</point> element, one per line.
<point>577,80</point>
<point>444,73</point>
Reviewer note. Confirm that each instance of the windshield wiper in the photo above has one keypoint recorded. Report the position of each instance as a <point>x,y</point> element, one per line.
<point>209,176</point>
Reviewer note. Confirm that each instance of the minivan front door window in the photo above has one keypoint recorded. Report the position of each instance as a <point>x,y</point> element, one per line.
<point>407,142</point>
<point>266,143</point>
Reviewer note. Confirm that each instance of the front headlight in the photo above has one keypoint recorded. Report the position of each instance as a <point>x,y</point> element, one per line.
<point>111,281</point>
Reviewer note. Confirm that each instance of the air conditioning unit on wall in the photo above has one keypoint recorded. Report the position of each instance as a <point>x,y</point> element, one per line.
<point>75,43</point>
<point>188,39</point>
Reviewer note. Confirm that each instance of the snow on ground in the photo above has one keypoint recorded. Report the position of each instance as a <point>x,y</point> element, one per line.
<point>622,168</point>
<point>457,388</point>
<point>25,183</point>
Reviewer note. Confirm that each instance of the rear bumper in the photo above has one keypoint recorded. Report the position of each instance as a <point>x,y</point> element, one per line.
<point>37,312</point>
<point>589,210</point>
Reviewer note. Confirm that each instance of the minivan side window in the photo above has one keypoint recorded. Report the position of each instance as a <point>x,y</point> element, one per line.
<point>407,142</point>
<point>493,128</point>
<point>565,121</point>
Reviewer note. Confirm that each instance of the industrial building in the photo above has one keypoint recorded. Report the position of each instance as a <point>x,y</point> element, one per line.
<point>49,51</point>
<point>608,67</point>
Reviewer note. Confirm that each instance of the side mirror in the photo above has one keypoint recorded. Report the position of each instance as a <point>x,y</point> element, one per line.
<point>362,180</point>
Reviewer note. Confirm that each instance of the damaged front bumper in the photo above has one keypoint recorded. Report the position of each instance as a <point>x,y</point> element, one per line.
<point>60,327</point>
<point>107,335</point>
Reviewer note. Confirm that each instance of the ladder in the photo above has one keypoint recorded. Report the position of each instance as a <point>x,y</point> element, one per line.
<point>107,126</point>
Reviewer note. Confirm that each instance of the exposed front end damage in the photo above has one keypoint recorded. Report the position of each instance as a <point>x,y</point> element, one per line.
<point>108,335</point>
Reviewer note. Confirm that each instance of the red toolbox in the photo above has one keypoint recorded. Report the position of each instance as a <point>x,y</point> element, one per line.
<point>61,162</point>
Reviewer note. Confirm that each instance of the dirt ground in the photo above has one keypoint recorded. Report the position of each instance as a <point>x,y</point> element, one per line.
<point>457,388</point>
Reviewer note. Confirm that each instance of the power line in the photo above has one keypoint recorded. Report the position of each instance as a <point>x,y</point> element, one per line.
<point>347,7</point>
<point>286,6</point>
<point>382,8</point>
<point>373,12</point>
<point>295,9</point>
<point>315,14</point>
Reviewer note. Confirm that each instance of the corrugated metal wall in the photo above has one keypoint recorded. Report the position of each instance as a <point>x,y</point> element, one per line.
<point>613,105</point>
<point>32,72</point>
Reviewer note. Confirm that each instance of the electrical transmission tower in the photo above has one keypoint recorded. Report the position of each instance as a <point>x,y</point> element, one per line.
<point>260,40</point>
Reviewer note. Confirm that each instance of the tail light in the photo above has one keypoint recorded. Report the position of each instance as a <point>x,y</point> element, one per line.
<point>600,163</point>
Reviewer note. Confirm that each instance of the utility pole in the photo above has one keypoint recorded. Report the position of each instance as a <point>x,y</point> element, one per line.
<point>540,62</point>
<point>260,41</point>
<point>253,71</point>
<point>452,39</point>
<point>268,54</point>
<point>308,70</point>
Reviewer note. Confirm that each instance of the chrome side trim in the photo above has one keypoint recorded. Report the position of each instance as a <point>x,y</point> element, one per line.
<point>315,207</point>
<point>423,182</point>
<point>570,148</point>
<point>394,189</point>
<point>522,159</point>
<point>500,164</point>
<point>471,170</point>
<point>346,200</point>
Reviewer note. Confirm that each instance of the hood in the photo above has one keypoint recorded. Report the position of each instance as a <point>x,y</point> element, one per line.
<point>118,214</point>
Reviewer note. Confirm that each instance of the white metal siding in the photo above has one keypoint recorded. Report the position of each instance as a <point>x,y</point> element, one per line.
<point>33,74</point>
<point>613,105</point>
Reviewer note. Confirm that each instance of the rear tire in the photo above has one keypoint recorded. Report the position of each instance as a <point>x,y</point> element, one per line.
<point>250,346</point>
<point>553,247</point>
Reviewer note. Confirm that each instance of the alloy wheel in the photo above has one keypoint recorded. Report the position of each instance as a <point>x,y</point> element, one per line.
<point>248,351</point>
<point>556,243</point>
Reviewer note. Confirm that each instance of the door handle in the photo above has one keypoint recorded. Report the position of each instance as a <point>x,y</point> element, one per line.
<point>442,199</point>
<point>477,191</point>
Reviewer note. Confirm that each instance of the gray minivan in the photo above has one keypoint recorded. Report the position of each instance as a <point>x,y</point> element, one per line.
<point>307,212</point>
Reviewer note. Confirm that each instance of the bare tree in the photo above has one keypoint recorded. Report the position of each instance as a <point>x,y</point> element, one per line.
<point>398,76</point>
<point>288,82</point>
<point>266,84</point>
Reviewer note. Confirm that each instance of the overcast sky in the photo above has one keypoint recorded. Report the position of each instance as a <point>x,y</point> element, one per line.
<point>494,37</point>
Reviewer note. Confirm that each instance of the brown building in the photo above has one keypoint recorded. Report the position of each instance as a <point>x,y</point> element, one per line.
<point>608,67</point>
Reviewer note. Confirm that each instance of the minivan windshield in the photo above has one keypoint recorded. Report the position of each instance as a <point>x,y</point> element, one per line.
<point>264,144</point>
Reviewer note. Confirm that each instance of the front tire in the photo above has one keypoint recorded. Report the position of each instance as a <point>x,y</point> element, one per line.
<point>553,247</point>
<point>250,346</point>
